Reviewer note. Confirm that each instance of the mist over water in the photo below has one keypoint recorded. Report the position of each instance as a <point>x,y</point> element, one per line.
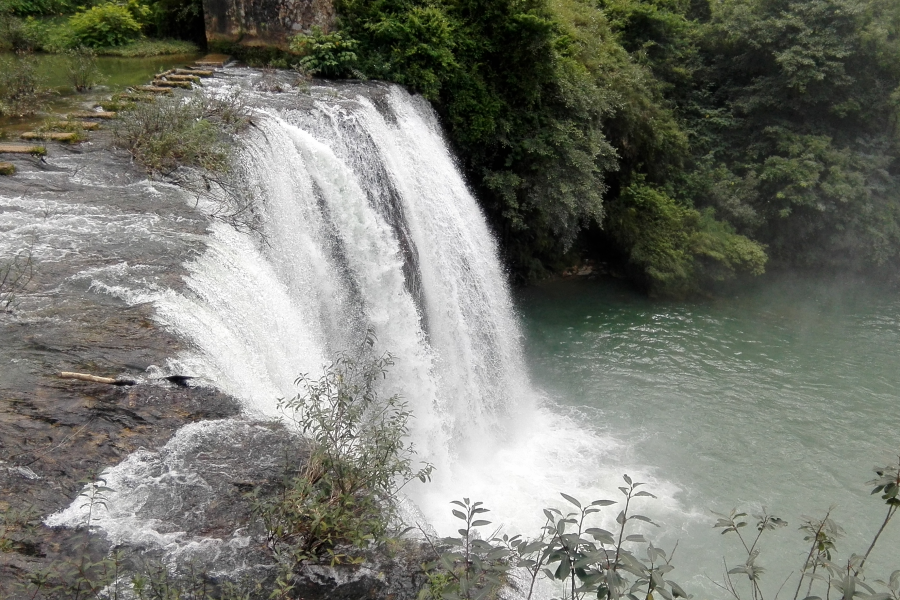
<point>784,396</point>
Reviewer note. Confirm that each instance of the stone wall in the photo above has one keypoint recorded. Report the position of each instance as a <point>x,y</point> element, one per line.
<point>264,22</point>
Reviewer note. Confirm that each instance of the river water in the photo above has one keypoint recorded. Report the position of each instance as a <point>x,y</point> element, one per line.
<point>784,396</point>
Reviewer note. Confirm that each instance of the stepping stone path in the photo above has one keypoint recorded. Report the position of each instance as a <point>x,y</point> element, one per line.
<point>90,114</point>
<point>22,149</point>
<point>153,89</point>
<point>213,60</point>
<point>163,83</point>
<point>85,125</point>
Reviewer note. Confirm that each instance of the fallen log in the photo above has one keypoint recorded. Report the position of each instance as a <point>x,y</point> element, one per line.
<point>95,378</point>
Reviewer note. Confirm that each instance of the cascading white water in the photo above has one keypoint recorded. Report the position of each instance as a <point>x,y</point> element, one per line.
<point>367,222</point>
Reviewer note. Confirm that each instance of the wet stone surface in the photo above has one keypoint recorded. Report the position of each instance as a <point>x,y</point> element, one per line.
<point>97,232</point>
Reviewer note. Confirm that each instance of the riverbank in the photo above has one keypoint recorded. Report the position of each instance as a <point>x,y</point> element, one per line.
<point>56,433</point>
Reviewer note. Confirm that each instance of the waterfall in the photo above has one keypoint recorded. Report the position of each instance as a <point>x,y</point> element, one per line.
<point>366,222</point>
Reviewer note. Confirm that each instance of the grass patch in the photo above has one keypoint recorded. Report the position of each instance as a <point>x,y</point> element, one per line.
<point>149,47</point>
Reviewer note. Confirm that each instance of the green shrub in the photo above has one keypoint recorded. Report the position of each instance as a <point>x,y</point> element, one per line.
<point>40,8</point>
<point>587,562</point>
<point>105,25</point>
<point>12,33</point>
<point>346,492</point>
<point>676,250</point>
<point>326,54</point>
<point>19,85</point>
<point>53,34</point>
<point>175,131</point>
<point>83,71</point>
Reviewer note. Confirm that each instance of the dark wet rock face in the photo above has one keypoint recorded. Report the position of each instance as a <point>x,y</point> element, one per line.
<point>265,22</point>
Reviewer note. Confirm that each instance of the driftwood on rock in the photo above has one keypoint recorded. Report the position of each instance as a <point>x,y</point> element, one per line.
<point>95,378</point>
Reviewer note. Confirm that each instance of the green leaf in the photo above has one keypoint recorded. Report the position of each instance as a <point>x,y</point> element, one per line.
<point>571,499</point>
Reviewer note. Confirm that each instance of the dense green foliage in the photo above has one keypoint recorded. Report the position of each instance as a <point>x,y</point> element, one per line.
<point>59,25</point>
<point>19,85</point>
<point>808,97</point>
<point>693,140</point>
<point>677,249</point>
<point>105,25</point>
<point>326,54</point>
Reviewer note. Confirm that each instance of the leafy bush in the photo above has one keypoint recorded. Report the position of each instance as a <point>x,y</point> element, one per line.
<point>13,35</point>
<point>83,71</point>
<point>105,25</point>
<point>19,85</point>
<point>326,54</point>
<point>171,132</point>
<point>49,34</point>
<point>677,250</point>
<point>590,562</point>
<point>26,8</point>
<point>359,460</point>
